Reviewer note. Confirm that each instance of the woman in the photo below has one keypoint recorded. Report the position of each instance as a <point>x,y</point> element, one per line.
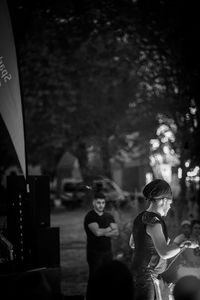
<point>151,241</point>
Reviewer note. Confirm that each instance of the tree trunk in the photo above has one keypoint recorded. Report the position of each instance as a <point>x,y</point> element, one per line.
<point>105,155</point>
<point>81,154</point>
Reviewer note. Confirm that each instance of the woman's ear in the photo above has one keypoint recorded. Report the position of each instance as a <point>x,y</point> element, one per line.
<point>162,201</point>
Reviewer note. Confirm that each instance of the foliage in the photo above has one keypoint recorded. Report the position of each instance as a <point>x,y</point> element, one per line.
<point>70,74</point>
<point>134,59</point>
<point>179,42</point>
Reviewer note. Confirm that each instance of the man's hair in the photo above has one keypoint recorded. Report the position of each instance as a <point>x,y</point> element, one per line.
<point>116,282</point>
<point>99,195</point>
<point>186,288</point>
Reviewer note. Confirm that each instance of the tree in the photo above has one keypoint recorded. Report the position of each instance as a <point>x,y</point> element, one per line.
<point>179,41</point>
<point>131,59</point>
<point>99,67</point>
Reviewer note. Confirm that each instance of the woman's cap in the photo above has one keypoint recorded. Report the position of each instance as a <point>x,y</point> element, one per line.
<point>157,189</point>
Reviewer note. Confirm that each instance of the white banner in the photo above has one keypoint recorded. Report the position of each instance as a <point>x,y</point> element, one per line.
<point>10,96</point>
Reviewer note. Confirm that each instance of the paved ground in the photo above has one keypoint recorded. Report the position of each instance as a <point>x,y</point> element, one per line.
<point>72,250</point>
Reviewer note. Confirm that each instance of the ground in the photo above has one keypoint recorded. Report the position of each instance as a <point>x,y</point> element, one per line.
<point>72,250</point>
<point>73,263</point>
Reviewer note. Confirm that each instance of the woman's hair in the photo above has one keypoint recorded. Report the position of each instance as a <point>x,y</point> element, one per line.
<point>157,189</point>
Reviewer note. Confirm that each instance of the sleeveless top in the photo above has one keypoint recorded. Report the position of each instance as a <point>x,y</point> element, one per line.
<point>146,257</point>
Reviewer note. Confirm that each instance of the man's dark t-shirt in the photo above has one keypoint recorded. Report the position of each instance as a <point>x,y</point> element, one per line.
<point>98,243</point>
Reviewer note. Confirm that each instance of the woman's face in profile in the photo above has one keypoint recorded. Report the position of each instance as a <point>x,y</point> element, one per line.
<point>166,206</point>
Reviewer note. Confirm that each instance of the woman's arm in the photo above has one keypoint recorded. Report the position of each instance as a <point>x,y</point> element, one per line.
<point>166,251</point>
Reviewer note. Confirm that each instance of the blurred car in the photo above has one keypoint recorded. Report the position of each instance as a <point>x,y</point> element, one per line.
<point>73,192</point>
<point>114,194</point>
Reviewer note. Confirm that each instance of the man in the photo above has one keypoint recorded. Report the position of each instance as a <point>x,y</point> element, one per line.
<point>185,232</point>
<point>100,227</point>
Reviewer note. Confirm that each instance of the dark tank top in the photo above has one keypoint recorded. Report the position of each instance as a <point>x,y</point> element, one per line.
<point>146,257</point>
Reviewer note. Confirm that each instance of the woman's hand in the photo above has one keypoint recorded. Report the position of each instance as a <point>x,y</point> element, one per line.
<point>189,244</point>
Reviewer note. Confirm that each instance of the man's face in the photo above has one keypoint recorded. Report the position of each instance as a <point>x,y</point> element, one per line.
<point>196,230</point>
<point>99,205</point>
<point>185,229</point>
